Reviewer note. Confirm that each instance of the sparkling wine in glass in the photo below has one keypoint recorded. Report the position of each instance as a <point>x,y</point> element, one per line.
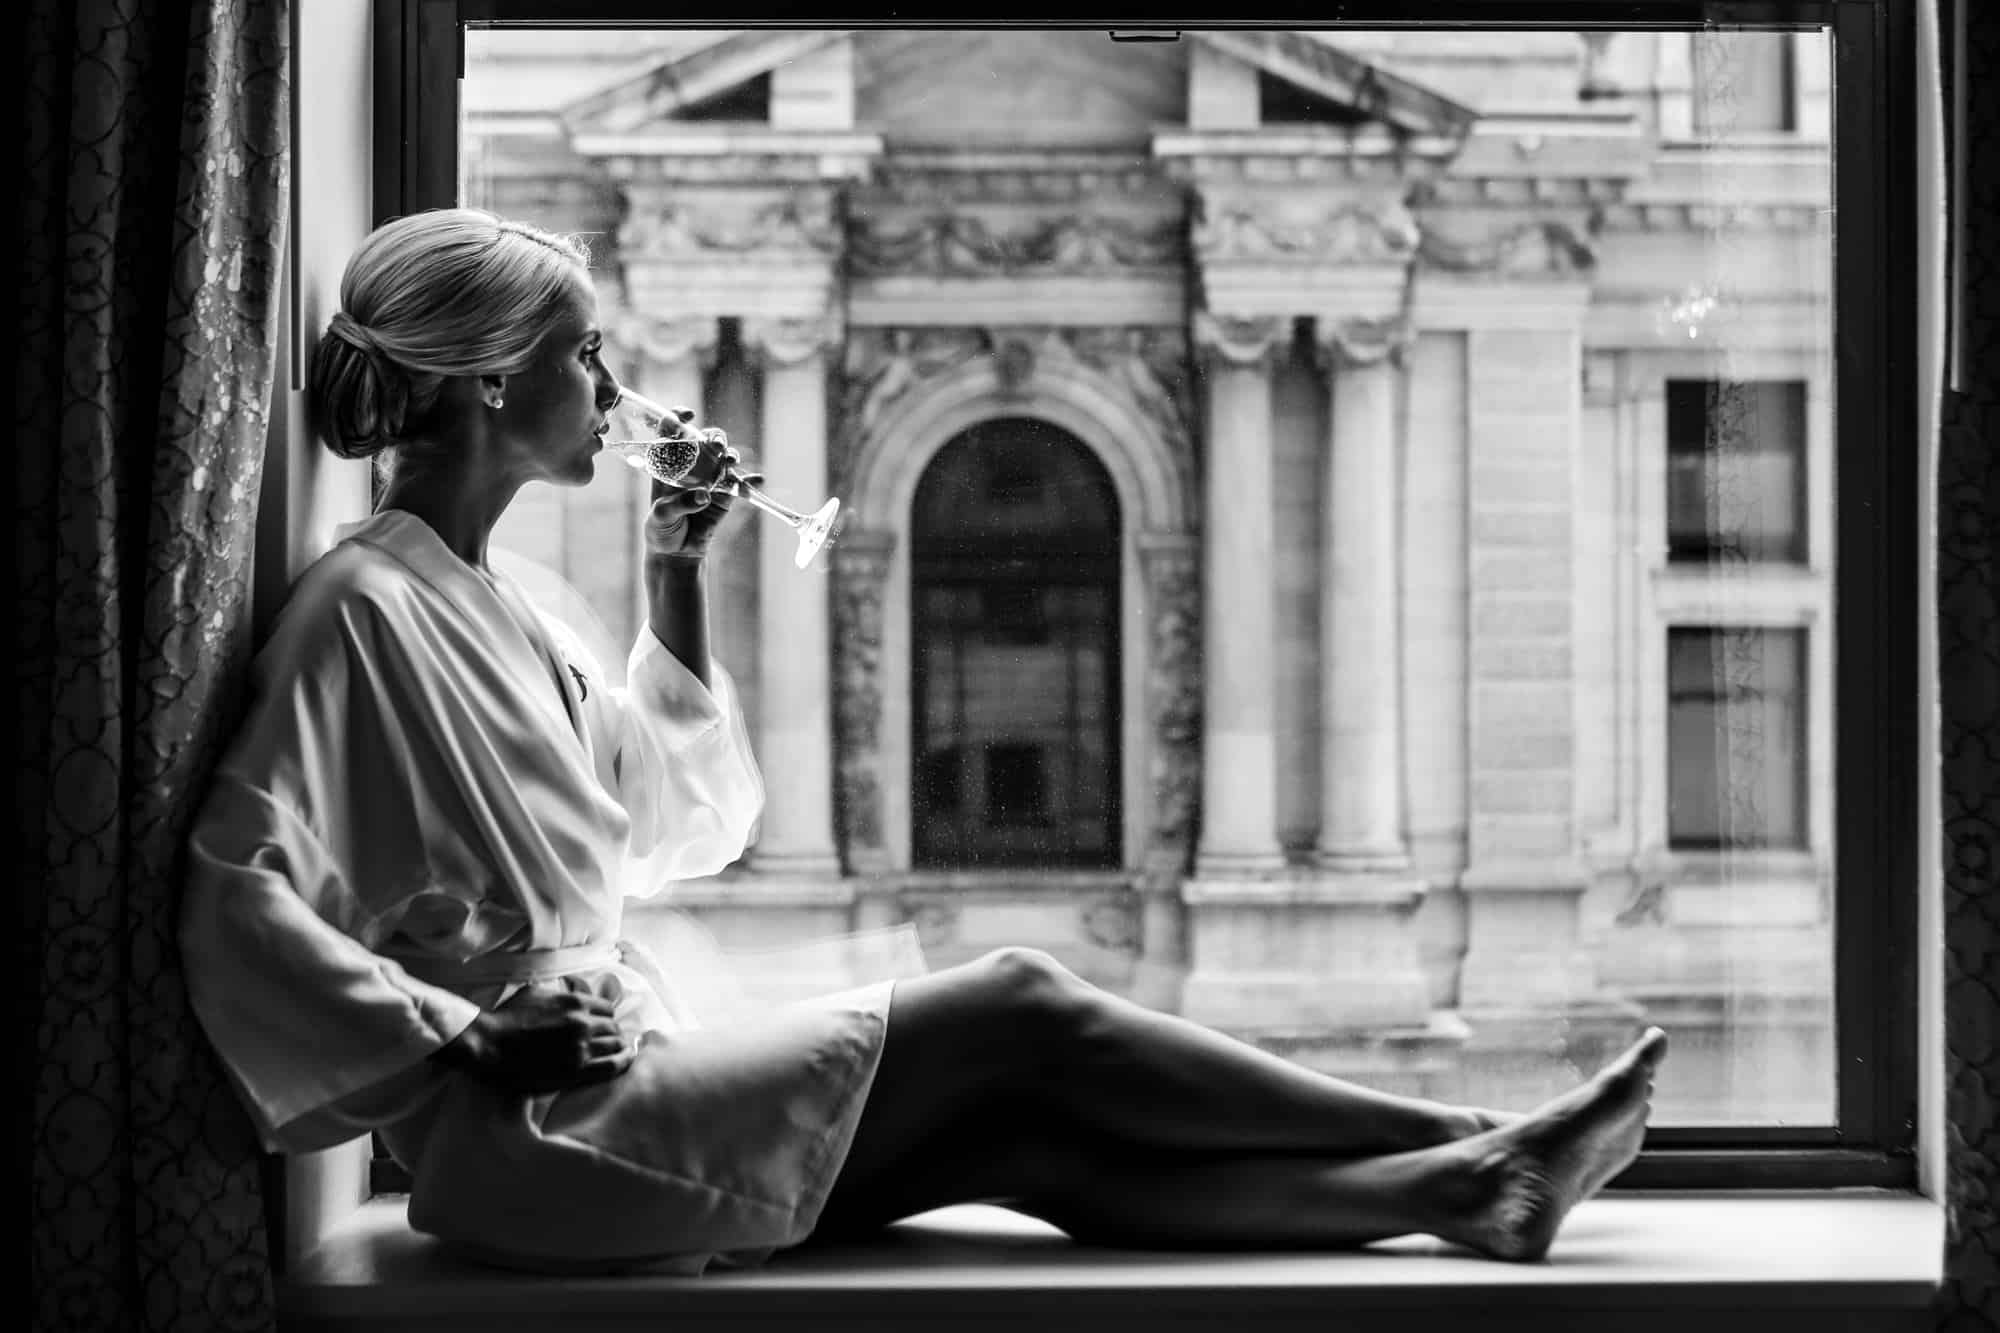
<point>663,443</point>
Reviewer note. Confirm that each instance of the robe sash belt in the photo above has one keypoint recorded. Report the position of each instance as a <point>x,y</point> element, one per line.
<point>508,968</point>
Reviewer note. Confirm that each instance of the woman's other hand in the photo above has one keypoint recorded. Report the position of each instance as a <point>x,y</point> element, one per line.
<point>549,1037</point>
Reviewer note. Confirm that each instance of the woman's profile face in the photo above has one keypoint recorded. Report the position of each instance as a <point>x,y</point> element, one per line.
<point>553,409</point>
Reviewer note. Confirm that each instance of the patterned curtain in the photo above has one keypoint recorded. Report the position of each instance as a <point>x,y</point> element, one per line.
<point>153,203</point>
<point>1968,520</point>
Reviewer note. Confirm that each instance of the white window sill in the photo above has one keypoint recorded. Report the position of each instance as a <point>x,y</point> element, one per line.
<point>1845,1260</point>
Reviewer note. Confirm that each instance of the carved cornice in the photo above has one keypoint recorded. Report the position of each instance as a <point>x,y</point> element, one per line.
<point>1315,155</point>
<point>790,342</point>
<point>697,225</point>
<point>1544,247</point>
<point>1244,343</point>
<point>1711,217</point>
<point>960,244</point>
<point>947,181</point>
<point>1346,233</point>
<point>1520,191</point>
<point>1350,344</point>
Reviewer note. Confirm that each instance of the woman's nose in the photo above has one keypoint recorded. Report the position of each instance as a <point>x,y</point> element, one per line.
<point>608,391</point>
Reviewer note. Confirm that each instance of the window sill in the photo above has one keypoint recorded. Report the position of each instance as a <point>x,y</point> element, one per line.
<point>1846,1260</point>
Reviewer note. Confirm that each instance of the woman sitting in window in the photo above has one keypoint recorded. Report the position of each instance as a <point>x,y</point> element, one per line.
<point>404,903</point>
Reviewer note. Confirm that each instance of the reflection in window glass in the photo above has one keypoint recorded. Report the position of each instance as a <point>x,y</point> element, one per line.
<point>1371,491</point>
<point>1736,470</point>
<point>1736,738</point>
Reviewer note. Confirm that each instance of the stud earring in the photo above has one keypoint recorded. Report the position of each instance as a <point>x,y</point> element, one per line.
<point>497,402</point>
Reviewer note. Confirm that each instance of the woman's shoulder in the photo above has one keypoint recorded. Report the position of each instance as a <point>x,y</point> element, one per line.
<point>354,588</point>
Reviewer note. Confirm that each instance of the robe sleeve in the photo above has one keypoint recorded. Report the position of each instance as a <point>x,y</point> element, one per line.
<point>300,859</point>
<point>303,1013</point>
<point>685,770</point>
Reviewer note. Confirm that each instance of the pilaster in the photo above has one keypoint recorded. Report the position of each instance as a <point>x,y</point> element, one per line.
<point>795,670</point>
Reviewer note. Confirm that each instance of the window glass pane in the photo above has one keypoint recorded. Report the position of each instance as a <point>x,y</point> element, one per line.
<point>1372,489</point>
<point>1736,745</point>
<point>1736,470</point>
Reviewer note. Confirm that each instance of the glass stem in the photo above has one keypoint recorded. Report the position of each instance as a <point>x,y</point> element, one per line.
<point>763,501</point>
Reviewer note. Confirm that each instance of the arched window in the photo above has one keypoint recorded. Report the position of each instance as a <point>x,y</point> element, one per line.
<point>1014,604</point>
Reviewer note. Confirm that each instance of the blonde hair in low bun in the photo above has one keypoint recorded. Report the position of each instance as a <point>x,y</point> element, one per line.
<point>449,292</point>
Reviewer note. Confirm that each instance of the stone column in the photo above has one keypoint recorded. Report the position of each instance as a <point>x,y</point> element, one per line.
<point>1361,760</point>
<point>795,739</point>
<point>1239,764</point>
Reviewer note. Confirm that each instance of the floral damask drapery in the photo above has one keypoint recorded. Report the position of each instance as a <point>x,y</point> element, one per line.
<point>153,206</point>
<point>1968,525</point>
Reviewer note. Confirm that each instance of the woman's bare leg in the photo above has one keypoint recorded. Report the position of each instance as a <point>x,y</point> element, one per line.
<point>1503,1192</point>
<point>1018,1025</point>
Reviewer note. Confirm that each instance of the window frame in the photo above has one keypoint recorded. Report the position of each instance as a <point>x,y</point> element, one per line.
<point>419,57</point>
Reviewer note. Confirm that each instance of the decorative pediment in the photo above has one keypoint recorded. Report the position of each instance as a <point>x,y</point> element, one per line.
<point>688,81</point>
<point>1337,76</point>
<point>723,80</point>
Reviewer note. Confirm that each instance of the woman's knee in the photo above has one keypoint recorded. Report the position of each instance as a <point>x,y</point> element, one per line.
<point>1031,988</point>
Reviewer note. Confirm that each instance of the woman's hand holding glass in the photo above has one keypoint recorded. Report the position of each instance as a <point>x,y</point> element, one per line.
<point>660,441</point>
<point>684,520</point>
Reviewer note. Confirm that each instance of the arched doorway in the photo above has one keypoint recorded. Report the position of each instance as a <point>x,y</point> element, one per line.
<point>1014,636</point>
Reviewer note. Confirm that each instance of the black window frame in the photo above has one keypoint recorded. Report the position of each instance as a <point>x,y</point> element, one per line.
<point>419,59</point>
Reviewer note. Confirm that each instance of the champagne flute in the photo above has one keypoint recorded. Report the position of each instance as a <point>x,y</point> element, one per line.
<point>660,442</point>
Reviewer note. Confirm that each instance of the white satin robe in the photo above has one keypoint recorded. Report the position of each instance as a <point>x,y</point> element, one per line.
<point>436,798</point>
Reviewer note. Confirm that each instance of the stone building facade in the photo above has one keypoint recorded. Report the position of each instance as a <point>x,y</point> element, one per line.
<point>1274,547</point>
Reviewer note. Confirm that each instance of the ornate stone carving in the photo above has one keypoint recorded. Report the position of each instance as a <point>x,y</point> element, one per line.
<point>860,574</point>
<point>964,245</point>
<point>664,341</point>
<point>1346,234</point>
<point>1246,343</point>
<point>1172,572</point>
<point>694,223</point>
<point>1151,366</point>
<point>788,342</point>
<point>882,366</point>
<point>1147,365</point>
<point>1542,248</point>
<point>1344,344</point>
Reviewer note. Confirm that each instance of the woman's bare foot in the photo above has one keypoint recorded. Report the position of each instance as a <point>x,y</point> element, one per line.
<point>1521,1179</point>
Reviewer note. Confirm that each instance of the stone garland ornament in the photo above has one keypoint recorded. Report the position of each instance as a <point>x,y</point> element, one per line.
<point>959,244</point>
<point>801,220</point>
<point>1348,234</point>
<point>1538,249</point>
